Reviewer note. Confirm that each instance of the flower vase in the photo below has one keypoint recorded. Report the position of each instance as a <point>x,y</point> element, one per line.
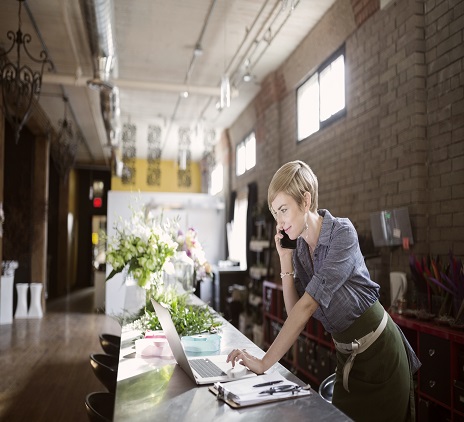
<point>135,295</point>
<point>184,271</point>
<point>6,299</point>
<point>21,306</point>
<point>35,309</point>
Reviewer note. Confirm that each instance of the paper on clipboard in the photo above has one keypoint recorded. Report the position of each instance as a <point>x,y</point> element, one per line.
<point>245,392</point>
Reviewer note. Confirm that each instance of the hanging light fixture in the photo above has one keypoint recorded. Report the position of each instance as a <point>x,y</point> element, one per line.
<point>64,146</point>
<point>184,154</point>
<point>154,156</point>
<point>128,153</point>
<point>225,81</point>
<point>225,91</point>
<point>20,84</point>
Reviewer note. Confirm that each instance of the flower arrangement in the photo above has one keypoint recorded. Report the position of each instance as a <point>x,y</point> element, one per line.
<point>189,243</point>
<point>441,280</point>
<point>142,245</point>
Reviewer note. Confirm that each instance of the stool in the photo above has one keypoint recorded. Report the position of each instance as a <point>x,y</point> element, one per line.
<point>105,367</point>
<point>110,343</point>
<point>100,406</point>
<point>326,388</point>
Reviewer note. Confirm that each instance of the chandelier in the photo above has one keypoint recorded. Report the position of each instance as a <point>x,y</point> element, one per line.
<point>64,146</point>
<point>20,84</point>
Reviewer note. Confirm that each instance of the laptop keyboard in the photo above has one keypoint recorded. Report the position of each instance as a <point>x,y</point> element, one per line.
<point>206,368</point>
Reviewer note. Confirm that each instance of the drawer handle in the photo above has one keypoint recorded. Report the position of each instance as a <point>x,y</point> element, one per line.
<point>431,383</point>
<point>431,352</point>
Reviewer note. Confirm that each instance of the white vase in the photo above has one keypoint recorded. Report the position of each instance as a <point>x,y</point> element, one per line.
<point>6,299</point>
<point>21,306</point>
<point>184,271</point>
<point>35,309</point>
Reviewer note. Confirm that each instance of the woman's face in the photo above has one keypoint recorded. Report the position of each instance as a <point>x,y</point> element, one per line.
<point>289,216</point>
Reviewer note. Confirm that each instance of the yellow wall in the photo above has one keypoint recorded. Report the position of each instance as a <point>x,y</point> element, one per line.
<point>168,179</point>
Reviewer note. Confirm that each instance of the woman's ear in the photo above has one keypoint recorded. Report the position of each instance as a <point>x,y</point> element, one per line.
<point>307,201</point>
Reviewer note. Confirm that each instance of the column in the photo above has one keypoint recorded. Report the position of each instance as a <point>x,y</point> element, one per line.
<point>2,162</point>
<point>40,214</point>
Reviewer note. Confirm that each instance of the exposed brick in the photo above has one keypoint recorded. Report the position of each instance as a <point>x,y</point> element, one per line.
<point>402,139</point>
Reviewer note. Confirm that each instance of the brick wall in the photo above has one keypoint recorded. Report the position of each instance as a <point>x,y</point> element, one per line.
<point>402,140</point>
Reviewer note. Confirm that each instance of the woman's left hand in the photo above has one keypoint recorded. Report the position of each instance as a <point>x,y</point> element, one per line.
<point>244,358</point>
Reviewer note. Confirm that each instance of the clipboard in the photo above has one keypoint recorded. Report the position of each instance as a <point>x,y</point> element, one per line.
<point>266,400</point>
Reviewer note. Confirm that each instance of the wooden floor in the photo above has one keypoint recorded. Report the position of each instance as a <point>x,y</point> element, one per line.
<point>45,372</point>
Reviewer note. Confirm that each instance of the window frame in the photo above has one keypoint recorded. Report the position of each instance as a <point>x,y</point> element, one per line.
<point>243,144</point>
<point>339,114</point>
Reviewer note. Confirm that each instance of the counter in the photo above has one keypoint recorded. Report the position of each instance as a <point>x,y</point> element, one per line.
<point>155,389</point>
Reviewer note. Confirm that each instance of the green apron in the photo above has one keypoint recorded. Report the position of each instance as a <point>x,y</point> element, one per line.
<point>380,380</point>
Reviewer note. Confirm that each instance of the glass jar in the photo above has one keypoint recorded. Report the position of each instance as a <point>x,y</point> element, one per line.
<point>184,271</point>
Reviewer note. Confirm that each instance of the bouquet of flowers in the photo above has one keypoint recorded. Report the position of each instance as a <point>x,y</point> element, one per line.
<point>189,243</point>
<point>142,245</point>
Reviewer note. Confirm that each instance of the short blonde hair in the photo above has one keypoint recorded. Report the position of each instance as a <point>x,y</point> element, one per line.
<point>294,178</point>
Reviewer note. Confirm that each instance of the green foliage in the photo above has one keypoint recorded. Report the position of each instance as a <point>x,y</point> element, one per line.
<point>142,245</point>
<point>188,319</point>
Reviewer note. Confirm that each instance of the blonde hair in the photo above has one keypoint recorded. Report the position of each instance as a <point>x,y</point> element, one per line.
<point>294,178</point>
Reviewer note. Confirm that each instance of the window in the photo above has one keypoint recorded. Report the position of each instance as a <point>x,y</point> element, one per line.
<point>217,179</point>
<point>321,98</point>
<point>246,154</point>
<point>237,230</point>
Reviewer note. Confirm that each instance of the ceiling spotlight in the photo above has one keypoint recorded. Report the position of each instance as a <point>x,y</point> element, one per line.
<point>198,50</point>
<point>247,77</point>
<point>184,94</point>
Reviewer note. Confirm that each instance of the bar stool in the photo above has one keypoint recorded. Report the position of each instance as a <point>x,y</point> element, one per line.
<point>100,406</point>
<point>105,367</point>
<point>326,388</point>
<point>110,343</point>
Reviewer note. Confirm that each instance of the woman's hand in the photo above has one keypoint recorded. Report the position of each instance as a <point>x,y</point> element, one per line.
<point>242,357</point>
<point>283,252</point>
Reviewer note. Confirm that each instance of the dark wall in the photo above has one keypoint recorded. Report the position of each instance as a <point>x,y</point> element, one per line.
<point>17,204</point>
<point>85,213</point>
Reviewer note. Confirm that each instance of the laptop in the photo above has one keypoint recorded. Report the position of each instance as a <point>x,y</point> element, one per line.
<point>201,369</point>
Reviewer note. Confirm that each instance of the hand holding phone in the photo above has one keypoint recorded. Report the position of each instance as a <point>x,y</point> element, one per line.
<point>286,242</point>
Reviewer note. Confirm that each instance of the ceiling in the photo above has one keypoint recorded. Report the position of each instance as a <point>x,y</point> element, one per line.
<point>153,61</point>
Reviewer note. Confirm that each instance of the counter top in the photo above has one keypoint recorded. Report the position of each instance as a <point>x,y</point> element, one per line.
<point>156,388</point>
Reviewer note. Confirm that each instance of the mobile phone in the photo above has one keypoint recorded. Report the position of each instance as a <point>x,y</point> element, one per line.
<point>286,242</point>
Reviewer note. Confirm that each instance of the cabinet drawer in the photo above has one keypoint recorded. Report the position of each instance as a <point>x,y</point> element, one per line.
<point>435,378</point>
<point>459,396</point>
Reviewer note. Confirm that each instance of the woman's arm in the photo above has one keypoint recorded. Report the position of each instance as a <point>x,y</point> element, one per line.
<point>290,294</point>
<point>293,326</point>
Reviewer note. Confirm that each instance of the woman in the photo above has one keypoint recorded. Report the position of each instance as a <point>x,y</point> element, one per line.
<point>326,278</point>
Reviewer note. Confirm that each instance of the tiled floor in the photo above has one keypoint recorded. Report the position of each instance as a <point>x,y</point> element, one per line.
<point>45,372</point>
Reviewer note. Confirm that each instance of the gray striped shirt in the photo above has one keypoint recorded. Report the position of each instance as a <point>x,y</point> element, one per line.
<point>339,282</point>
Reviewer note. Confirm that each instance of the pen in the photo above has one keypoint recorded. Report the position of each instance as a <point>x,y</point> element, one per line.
<point>265,384</point>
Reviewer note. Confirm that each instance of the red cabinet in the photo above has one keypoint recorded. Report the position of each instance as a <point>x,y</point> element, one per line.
<point>440,381</point>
